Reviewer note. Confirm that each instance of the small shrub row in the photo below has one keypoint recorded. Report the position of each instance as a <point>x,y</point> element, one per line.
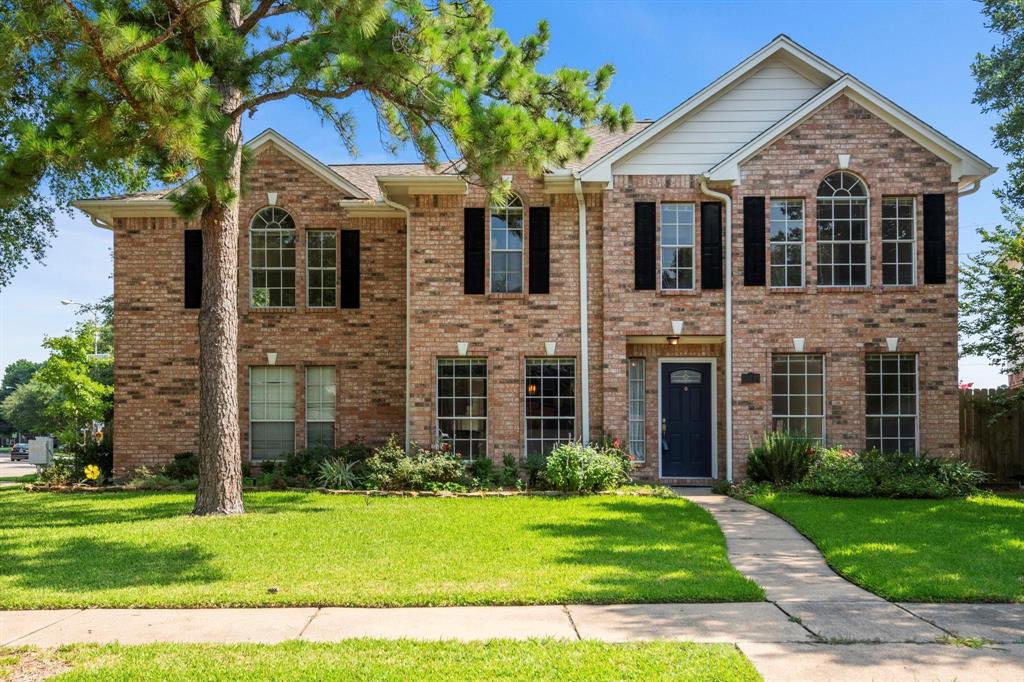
<point>575,467</point>
<point>783,459</point>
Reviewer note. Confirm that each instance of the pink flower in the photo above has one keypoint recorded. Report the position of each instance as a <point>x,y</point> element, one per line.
<point>616,443</point>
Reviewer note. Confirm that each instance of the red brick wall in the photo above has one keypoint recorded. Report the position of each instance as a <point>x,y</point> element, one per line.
<point>156,367</point>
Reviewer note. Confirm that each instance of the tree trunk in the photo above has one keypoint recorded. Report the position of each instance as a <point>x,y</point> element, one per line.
<point>220,455</point>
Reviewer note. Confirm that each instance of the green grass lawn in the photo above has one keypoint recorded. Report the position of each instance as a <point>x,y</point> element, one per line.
<point>27,478</point>
<point>367,659</point>
<point>916,550</point>
<point>143,549</point>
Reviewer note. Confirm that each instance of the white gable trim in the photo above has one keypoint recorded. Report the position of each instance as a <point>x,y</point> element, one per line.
<point>812,66</point>
<point>965,166</point>
<point>304,159</point>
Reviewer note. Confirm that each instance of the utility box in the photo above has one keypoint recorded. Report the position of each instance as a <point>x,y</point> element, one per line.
<point>40,451</point>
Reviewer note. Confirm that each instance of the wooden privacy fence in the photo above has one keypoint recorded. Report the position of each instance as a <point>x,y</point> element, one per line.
<point>996,447</point>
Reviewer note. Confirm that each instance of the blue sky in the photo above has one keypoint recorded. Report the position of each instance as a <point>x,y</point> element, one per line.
<point>916,53</point>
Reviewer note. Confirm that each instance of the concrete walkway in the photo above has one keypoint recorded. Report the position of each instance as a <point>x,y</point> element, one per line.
<point>815,626</point>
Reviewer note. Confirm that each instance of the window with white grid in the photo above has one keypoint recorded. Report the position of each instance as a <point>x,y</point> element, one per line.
<point>271,412</point>
<point>842,209</point>
<point>677,239</point>
<point>507,246</point>
<point>898,241</point>
<point>637,425</point>
<point>890,396</point>
<point>320,406</point>
<point>550,403</point>
<point>798,394</point>
<point>787,242</point>
<point>462,405</point>
<point>321,268</point>
<point>272,259</point>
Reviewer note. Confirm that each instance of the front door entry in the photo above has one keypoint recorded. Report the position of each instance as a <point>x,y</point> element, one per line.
<point>686,420</point>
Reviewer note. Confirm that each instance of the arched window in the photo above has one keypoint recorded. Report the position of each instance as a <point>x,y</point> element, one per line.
<point>507,245</point>
<point>272,259</point>
<point>842,231</point>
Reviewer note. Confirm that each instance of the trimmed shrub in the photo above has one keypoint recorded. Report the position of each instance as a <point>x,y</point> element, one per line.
<point>574,467</point>
<point>305,462</point>
<point>391,468</point>
<point>780,458</point>
<point>100,454</point>
<point>837,472</point>
<point>870,473</point>
<point>58,473</point>
<point>183,467</point>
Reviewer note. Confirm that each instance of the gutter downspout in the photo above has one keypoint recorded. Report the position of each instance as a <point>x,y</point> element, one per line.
<point>727,200</point>
<point>408,323</point>
<point>584,312</point>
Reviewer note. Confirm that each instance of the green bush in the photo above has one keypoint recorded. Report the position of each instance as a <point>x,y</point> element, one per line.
<point>837,472</point>
<point>535,467</point>
<point>306,462</point>
<point>574,467</point>
<point>100,454</point>
<point>337,474</point>
<point>391,468</point>
<point>509,476</point>
<point>871,473</point>
<point>144,479</point>
<point>483,472</point>
<point>184,466</point>
<point>58,473</point>
<point>780,458</point>
<point>721,486</point>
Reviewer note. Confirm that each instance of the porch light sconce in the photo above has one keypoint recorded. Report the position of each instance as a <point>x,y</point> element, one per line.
<point>549,347</point>
<point>677,327</point>
<point>892,342</point>
<point>272,198</point>
<point>271,358</point>
<point>463,347</point>
<point>844,161</point>
<point>672,340</point>
<point>798,344</point>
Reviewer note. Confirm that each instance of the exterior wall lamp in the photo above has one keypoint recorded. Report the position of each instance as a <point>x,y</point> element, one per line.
<point>672,340</point>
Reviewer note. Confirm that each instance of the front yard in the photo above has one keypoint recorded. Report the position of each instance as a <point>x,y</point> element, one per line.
<point>368,659</point>
<point>916,550</point>
<point>296,548</point>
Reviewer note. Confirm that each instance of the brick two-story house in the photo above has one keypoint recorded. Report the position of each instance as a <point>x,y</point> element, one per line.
<point>778,251</point>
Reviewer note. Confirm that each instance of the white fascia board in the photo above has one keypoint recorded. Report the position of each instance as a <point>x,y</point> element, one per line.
<point>106,210</point>
<point>425,184</point>
<point>304,159</point>
<point>369,209</point>
<point>601,170</point>
<point>964,164</point>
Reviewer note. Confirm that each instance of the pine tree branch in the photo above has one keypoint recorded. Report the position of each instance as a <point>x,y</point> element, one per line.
<point>168,33</point>
<point>295,90</point>
<point>263,10</point>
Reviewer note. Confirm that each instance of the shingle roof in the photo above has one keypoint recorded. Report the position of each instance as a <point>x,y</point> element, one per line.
<point>364,175</point>
<point>604,141</point>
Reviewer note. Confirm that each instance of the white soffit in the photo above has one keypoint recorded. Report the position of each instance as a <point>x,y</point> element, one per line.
<point>777,78</point>
<point>965,166</point>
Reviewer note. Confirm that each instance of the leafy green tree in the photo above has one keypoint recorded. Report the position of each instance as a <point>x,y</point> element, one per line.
<point>159,88</point>
<point>992,298</point>
<point>15,374</point>
<point>25,408</point>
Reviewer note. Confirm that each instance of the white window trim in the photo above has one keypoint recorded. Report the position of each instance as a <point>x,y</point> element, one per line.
<point>917,401</point>
<point>866,241</point>
<point>642,400</point>
<point>491,250</point>
<point>321,268</point>
<point>685,359</point>
<point>824,395</point>
<point>803,245</point>
<point>912,240</point>
<point>487,398</point>
<point>662,246</point>
<point>575,397</point>
<point>294,268</point>
<point>268,421</point>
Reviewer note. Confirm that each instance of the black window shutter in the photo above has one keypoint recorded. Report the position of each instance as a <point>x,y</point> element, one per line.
<point>753,241</point>
<point>711,245</point>
<point>934,238</point>
<point>540,250</point>
<point>644,244</point>
<point>193,268</point>
<point>348,270</point>
<point>473,251</point>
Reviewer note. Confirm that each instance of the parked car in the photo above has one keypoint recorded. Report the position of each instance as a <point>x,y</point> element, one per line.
<point>19,451</point>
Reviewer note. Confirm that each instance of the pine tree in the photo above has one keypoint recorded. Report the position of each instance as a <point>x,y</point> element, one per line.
<point>137,91</point>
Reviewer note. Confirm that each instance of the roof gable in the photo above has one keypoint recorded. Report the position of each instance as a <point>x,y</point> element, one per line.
<point>307,161</point>
<point>965,166</point>
<point>747,99</point>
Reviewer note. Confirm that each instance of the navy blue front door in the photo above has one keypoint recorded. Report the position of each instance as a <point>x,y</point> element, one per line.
<point>686,420</point>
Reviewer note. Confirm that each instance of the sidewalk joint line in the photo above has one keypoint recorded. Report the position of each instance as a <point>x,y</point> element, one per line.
<point>48,625</point>
<point>572,622</point>
<point>799,621</point>
<point>922,618</point>
<point>309,622</point>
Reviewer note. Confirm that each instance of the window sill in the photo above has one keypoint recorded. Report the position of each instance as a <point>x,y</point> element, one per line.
<point>844,289</point>
<point>786,290</point>
<point>500,296</point>
<point>680,292</point>
<point>272,310</point>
